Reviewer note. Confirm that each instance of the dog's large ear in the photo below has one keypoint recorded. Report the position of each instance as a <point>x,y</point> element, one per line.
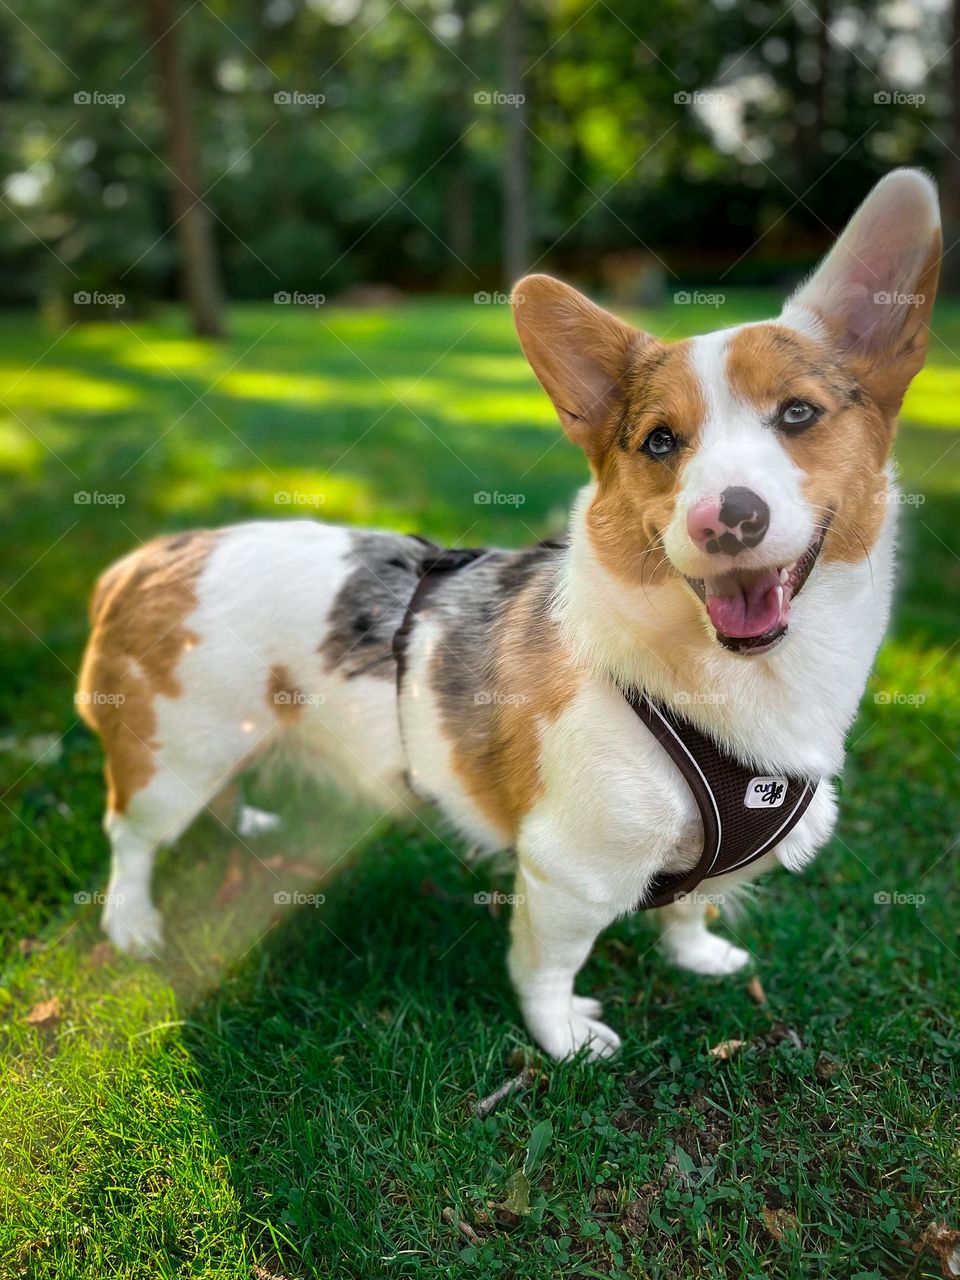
<point>579,352</point>
<point>874,291</point>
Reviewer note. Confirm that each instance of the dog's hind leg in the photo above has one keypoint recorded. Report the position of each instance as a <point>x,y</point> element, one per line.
<point>153,817</point>
<point>688,942</point>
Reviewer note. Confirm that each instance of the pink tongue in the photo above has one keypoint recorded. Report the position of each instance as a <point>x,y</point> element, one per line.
<point>748,610</point>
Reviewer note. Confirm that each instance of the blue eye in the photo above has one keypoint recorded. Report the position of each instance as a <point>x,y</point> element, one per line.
<point>798,413</point>
<point>660,443</point>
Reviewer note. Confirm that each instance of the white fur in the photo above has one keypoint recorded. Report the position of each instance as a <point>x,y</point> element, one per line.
<point>736,447</point>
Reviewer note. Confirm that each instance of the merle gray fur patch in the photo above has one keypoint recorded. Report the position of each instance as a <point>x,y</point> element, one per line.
<point>370,605</point>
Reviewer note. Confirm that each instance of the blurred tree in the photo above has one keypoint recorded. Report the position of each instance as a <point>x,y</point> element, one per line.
<point>198,265</point>
<point>516,178</point>
<point>950,183</point>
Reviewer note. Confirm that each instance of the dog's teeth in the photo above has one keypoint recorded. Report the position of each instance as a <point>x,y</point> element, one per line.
<point>784,575</point>
<point>780,598</point>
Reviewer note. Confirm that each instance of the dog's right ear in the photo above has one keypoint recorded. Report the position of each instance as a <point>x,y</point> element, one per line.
<point>874,291</point>
<point>580,353</point>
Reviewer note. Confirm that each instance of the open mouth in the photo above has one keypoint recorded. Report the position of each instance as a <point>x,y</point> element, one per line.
<point>750,608</point>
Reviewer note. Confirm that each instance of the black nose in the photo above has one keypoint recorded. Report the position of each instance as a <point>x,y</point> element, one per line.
<point>747,518</point>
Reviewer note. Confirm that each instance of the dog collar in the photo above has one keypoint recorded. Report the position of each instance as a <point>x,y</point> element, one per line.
<point>744,811</point>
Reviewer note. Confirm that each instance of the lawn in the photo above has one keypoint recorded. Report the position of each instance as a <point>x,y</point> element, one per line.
<point>294,1093</point>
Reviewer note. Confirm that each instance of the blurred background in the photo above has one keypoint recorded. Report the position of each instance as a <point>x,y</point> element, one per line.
<point>215,150</point>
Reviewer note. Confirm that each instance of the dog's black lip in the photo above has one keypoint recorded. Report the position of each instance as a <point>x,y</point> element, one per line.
<point>766,641</point>
<point>753,644</point>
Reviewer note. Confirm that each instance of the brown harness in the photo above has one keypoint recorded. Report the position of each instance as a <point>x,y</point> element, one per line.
<point>745,811</point>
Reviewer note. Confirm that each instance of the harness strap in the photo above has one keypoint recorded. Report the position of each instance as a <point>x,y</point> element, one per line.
<point>432,569</point>
<point>743,813</point>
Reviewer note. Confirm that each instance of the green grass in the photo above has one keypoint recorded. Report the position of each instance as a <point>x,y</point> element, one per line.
<point>299,1098</point>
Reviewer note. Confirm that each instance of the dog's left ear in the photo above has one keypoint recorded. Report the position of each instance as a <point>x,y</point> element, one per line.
<point>874,291</point>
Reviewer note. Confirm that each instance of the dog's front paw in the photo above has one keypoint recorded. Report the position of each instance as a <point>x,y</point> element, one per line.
<point>704,952</point>
<point>134,928</point>
<point>562,1031</point>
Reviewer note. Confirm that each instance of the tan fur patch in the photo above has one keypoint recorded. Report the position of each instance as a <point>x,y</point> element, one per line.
<point>138,611</point>
<point>843,455</point>
<point>635,496</point>
<point>283,696</point>
<point>493,716</point>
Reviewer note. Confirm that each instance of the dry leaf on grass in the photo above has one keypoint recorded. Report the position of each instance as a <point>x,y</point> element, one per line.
<point>263,1273</point>
<point>726,1049</point>
<point>944,1243</point>
<point>825,1068</point>
<point>101,953</point>
<point>44,1014</point>
<point>779,1222</point>
<point>756,992</point>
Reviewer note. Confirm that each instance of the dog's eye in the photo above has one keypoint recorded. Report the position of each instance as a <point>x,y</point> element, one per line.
<point>798,413</point>
<point>659,443</point>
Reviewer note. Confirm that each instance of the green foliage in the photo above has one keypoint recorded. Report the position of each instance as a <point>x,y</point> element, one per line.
<point>397,176</point>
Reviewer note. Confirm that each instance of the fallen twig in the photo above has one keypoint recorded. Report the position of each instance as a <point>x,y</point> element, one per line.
<point>464,1228</point>
<point>486,1106</point>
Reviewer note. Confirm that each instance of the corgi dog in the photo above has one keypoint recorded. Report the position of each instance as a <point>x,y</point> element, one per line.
<point>726,472</point>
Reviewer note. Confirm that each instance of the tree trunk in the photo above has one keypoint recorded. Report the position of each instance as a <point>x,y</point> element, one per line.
<point>950,174</point>
<point>516,215</point>
<point>459,188</point>
<point>198,265</point>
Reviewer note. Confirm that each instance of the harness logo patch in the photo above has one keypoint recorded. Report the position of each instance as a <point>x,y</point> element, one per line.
<point>765,793</point>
